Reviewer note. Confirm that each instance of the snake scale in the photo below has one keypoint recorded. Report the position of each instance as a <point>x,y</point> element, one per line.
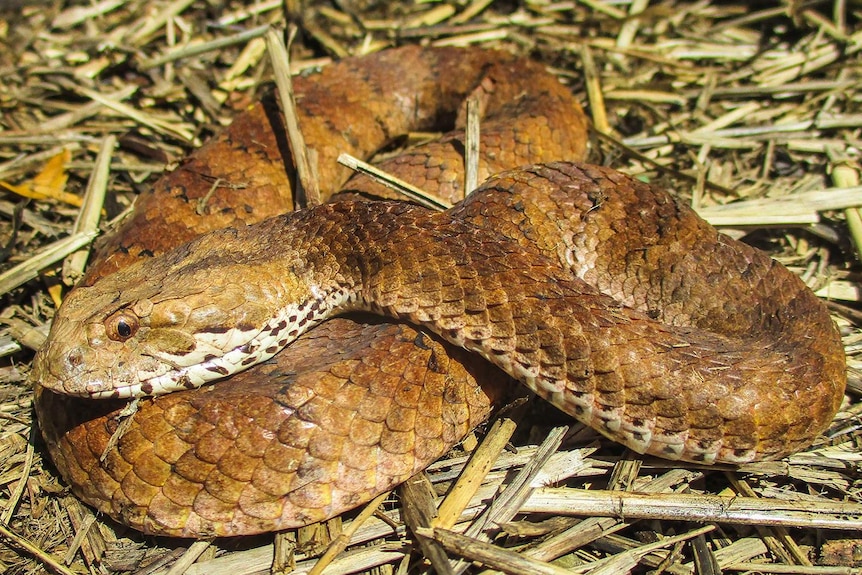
<point>603,294</point>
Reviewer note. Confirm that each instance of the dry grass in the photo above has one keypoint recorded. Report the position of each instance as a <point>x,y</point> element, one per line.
<point>753,115</point>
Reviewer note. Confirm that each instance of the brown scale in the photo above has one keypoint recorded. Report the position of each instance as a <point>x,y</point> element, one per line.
<point>349,410</point>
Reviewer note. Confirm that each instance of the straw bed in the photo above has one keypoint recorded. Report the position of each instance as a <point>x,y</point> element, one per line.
<point>752,114</point>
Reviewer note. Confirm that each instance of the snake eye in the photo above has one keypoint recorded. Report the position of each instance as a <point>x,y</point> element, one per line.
<point>121,325</point>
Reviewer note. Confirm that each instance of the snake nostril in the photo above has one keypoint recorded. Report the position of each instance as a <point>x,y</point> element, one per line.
<point>75,358</point>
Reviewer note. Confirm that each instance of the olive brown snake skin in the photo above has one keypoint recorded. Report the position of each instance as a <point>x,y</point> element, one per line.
<point>602,294</point>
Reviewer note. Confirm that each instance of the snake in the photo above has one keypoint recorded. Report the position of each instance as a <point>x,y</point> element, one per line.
<point>604,295</point>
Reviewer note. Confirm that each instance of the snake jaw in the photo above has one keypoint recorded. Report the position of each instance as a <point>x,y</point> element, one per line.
<point>68,367</point>
<point>160,358</point>
<point>247,348</point>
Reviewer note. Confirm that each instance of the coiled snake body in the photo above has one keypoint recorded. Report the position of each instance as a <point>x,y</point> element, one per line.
<point>601,293</point>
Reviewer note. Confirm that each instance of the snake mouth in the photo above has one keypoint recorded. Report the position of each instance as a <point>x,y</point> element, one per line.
<point>168,377</point>
<point>176,379</point>
<point>154,387</point>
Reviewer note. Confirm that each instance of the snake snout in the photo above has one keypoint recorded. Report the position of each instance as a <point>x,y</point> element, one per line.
<point>74,360</point>
<point>62,369</point>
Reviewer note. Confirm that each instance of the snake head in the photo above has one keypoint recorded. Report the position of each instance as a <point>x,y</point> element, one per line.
<point>165,324</point>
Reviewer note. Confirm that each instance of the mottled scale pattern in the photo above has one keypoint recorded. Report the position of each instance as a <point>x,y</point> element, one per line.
<point>603,294</point>
<point>244,175</point>
<point>326,428</point>
<point>358,106</point>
